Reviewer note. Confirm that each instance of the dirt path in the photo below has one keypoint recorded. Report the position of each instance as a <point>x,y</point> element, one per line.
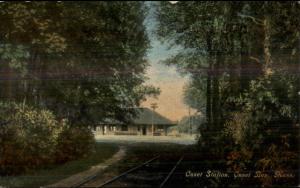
<point>183,139</point>
<point>78,178</point>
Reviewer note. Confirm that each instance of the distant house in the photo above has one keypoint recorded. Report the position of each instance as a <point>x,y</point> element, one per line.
<point>141,125</point>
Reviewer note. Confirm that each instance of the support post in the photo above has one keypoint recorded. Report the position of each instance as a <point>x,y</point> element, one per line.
<point>153,106</point>
<point>165,130</point>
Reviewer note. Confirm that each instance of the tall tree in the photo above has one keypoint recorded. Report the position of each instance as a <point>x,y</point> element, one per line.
<point>245,52</point>
<point>85,61</point>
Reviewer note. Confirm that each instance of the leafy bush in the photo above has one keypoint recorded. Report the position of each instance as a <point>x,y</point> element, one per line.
<point>265,127</point>
<point>27,137</point>
<point>32,138</point>
<point>73,143</point>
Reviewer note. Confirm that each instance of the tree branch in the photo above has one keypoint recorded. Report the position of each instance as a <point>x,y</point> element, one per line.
<point>255,20</point>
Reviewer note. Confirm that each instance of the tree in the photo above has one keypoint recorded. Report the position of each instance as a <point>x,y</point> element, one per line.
<point>84,61</point>
<point>248,55</point>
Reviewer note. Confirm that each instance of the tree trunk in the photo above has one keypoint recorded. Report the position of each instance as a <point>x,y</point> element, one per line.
<point>208,84</point>
<point>244,73</point>
<point>208,98</point>
<point>216,92</point>
<point>298,86</point>
<point>267,53</point>
<point>8,80</point>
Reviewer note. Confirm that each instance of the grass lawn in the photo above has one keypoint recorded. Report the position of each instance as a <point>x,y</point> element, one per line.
<point>52,174</point>
<point>136,154</point>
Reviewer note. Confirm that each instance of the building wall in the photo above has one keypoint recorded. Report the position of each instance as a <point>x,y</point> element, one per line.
<point>116,129</point>
<point>130,130</point>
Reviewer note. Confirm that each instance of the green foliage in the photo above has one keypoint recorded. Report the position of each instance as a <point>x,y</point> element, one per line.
<point>74,143</point>
<point>194,96</point>
<point>31,138</point>
<point>248,56</point>
<point>189,125</point>
<point>83,61</point>
<point>266,127</point>
<point>28,138</point>
<point>16,56</point>
<point>56,172</point>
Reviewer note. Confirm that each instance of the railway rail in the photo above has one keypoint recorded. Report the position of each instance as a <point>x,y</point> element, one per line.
<point>155,172</point>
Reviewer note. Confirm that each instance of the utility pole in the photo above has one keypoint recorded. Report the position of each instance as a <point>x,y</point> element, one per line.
<point>153,106</point>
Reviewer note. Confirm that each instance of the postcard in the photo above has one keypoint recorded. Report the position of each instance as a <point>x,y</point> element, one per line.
<point>149,94</point>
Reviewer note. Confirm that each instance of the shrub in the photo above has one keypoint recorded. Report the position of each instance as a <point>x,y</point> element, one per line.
<point>27,137</point>
<point>74,143</point>
<point>32,138</point>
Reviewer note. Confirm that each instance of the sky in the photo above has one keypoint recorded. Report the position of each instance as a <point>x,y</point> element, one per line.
<point>171,83</point>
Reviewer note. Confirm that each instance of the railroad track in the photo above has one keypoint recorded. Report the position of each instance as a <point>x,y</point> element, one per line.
<point>155,172</point>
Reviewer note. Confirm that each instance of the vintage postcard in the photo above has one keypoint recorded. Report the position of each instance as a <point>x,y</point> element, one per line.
<point>149,94</point>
